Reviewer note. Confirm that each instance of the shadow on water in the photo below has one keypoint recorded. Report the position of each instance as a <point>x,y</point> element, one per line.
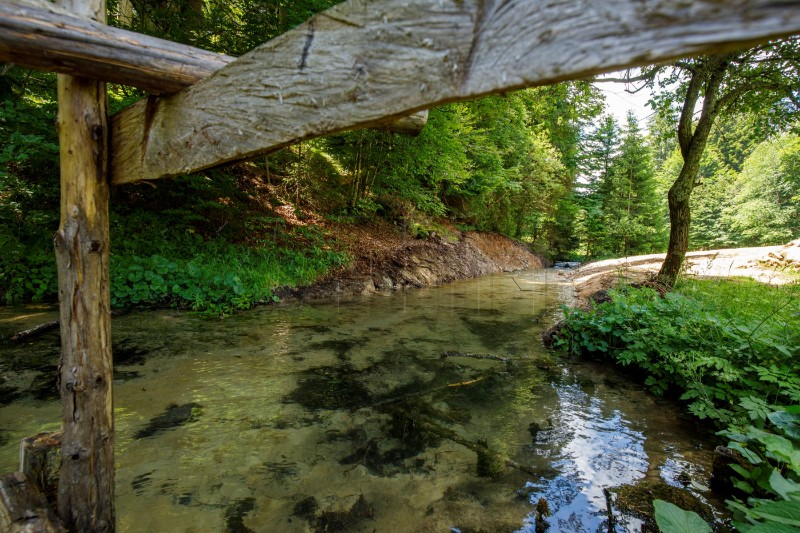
<point>174,416</point>
<point>344,416</point>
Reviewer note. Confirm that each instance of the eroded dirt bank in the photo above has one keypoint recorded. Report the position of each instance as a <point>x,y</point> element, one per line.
<point>386,260</point>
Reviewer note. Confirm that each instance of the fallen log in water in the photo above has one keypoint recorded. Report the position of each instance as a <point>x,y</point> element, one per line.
<point>445,355</point>
<point>37,330</point>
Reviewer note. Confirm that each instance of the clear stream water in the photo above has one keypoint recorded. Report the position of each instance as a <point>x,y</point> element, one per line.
<point>342,416</point>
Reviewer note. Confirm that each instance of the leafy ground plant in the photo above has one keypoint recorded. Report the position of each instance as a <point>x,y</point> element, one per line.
<point>713,344</point>
<point>672,519</point>
<point>769,475</point>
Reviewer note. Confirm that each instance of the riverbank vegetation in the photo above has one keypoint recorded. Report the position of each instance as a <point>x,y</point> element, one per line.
<point>545,166</point>
<point>720,346</point>
<point>729,350</point>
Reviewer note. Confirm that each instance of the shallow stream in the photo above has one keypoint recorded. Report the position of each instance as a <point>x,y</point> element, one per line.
<point>344,416</point>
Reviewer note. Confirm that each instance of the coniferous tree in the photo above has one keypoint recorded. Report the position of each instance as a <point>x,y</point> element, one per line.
<point>600,146</point>
<point>629,201</point>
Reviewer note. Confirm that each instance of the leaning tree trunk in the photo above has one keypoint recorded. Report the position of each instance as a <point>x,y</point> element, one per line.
<point>707,76</point>
<point>679,222</point>
<point>86,488</point>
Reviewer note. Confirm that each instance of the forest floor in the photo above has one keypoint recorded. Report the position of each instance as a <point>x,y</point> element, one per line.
<point>755,263</point>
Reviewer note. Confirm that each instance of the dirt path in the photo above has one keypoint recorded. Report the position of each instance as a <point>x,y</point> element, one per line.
<point>734,262</point>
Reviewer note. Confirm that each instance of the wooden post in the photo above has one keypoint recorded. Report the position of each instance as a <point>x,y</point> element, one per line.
<point>40,461</point>
<point>86,487</point>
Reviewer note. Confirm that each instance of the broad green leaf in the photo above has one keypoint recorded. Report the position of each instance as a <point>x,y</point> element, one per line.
<point>784,512</point>
<point>787,489</point>
<point>788,422</point>
<point>783,450</point>
<point>772,527</point>
<point>672,519</point>
<point>752,457</point>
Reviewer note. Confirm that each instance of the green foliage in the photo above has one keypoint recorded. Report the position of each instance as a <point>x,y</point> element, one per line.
<point>770,476</point>
<point>764,207</point>
<point>621,212</point>
<point>712,343</point>
<point>216,277</point>
<point>672,519</point>
<point>231,27</point>
<point>28,199</point>
<point>489,164</point>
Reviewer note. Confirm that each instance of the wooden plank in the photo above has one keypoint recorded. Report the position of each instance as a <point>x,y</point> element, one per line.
<point>363,61</point>
<point>23,509</point>
<point>86,486</point>
<point>39,35</point>
<point>46,38</point>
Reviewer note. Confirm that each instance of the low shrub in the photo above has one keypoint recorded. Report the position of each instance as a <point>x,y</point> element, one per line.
<point>711,343</point>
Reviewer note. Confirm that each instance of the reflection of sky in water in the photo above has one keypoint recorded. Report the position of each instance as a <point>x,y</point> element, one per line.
<point>593,448</point>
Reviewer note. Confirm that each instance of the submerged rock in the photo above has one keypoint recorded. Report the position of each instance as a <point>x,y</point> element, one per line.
<point>330,387</point>
<point>330,521</point>
<point>637,501</point>
<point>235,514</point>
<point>174,416</point>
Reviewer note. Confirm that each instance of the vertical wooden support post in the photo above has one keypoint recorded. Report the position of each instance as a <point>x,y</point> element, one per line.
<point>86,487</point>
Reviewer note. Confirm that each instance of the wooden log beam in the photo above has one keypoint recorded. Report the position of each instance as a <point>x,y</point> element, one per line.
<point>86,485</point>
<point>42,36</point>
<point>365,60</point>
<point>39,35</point>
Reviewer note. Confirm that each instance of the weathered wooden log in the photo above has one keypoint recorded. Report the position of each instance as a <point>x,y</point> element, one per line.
<point>39,35</point>
<point>23,509</point>
<point>46,37</point>
<point>86,486</point>
<point>40,461</point>
<point>34,331</point>
<point>363,61</point>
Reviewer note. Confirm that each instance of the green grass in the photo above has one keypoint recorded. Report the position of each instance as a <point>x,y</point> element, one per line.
<point>747,299</point>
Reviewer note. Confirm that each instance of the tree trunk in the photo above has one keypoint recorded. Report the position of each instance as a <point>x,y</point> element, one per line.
<point>679,222</point>
<point>86,488</point>
<point>707,77</point>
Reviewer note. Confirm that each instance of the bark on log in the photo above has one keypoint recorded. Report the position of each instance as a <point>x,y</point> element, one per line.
<point>45,37</point>
<point>362,61</point>
<point>86,488</point>
<point>39,460</point>
<point>23,509</point>
<point>39,35</point>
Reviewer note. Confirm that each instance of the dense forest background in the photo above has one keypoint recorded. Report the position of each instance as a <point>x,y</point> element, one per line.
<point>547,166</point>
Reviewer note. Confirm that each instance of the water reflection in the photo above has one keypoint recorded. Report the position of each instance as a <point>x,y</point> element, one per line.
<point>593,447</point>
<point>342,416</point>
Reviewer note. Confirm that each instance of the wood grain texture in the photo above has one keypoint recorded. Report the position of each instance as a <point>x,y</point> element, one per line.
<point>39,35</point>
<point>39,460</point>
<point>365,60</point>
<point>44,37</point>
<point>23,509</point>
<point>86,484</point>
